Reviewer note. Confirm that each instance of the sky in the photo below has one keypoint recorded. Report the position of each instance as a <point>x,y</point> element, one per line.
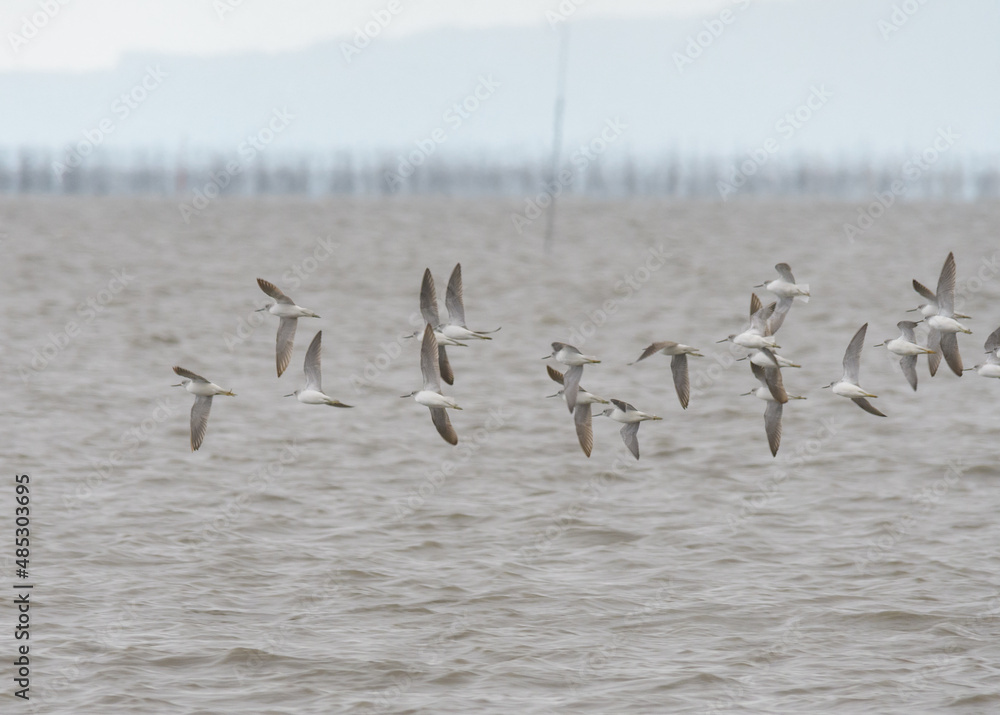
<point>86,35</point>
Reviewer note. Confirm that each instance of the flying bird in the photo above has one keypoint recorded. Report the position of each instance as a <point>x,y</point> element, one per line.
<point>430,396</point>
<point>455,328</point>
<point>581,413</point>
<point>943,324</point>
<point>203,391</point>
<point>787,290</point>
<point>569,355</point>
<point>312,393</point>
<point>906,346</point>
<point>289,314</point>
<point>678,365</point>
<point>630,417</point>
<point>847,386</point>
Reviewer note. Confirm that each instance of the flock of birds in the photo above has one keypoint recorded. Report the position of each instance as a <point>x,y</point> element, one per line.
<point>938,313</point>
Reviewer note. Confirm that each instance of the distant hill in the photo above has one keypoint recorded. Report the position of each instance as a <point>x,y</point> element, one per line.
<point>889,82</point>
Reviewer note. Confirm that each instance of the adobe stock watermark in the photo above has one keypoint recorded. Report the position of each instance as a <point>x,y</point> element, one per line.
<point>224,7</point>
<point>248,150</point>
<point>32,24</point>
<point>122,108</point>
<point>911,171</point>
<point>291,279</point>
<point>87,311</point>
<point>581,159</point>
<point>900,15</point>
<point>624,289</point>
<point>365,34</point>
<point>924,501</point>
<point>454,117</point>
<point>787,127</point>
<point>698,43</point>
<point>466,449</point>
<point>563,12</point>
<point>388,352</point>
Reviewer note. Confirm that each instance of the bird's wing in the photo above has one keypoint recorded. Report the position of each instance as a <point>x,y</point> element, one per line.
<point>909,365</point>
<point>314,380</point>
<point>429,360</point>
<point>758,321</point>
<point>440,418</point>
<point>864,404</point>
<point>584,429</point>
<point>275,292</point>
<point>949,349</point>
<point>933,343</point>
<point>679,369</point>
<point>906,330</point>
<point>571,385</point>
<point>785,271</point>
<point>772,378</point>
<point>428,300</point>
<point>188,374</point>
<point>445,366</point>
<point>778,316</point>
<point>924,291</point>
<point>284,342</point>
<point>453,298</point>
<point>630,436</point>
<point>623,406</point>
<point>852,356</point>
<point>946,287</point>
<point>991,344</point>
<point>772,426</point>
<point>554,374</point>
<point>199,419</point>
<point>652,350</point>
<point>755,304</point>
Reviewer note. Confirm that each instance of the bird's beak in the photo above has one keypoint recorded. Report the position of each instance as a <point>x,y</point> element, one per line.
<point>179,384</point>
<point>724,340</point>
<point>760,285</point>
<point>913,310</point>
<point>555,395</point>
<point>744,394</point>
<point>291,394</point>
<point>546,357</point>
<point>742,358</point>
<point>879,345</point>
<point>826,386</point>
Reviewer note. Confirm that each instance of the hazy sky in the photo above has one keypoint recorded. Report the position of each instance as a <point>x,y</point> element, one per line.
<point>82,35</point>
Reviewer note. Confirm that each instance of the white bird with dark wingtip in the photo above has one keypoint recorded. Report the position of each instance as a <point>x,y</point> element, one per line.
<point>678,365</point>
<point>787,290</point>
<point>990,368</point>
<point>455,329</point>
<point>582,413</point>
<point>772,391</point>
<point>907,348</point>
<point>430,396</point>
<point>569,355</point>
<point>758,335</point>
<point>203,391</point>
<point>312,393</point>
<point>429,310</point>
<point>289,313</point>
<point>943,325</point>
<point>847,386</point>
<point>630,417</point>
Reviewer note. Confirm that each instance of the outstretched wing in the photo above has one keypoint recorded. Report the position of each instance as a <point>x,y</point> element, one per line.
<point>440,418</point>
<point>630,436</point>
<point>584,429</point>
<point>428,300</point>
<point>429,360</point>
<point>199,419</point>
<point>864,404</point>
<point>314,380</point>
<point>273,291</point>
<point>852,356</point>
<point>679,369</point>
<point>785,271</point>
<point>284,342</point>
<point>453,298</point>
<point>188,374</point>
<point>946,287</point>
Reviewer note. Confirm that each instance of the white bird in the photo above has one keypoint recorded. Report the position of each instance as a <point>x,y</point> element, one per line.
<point>289,313</point>
<point>312,393</point>
<point>203,390</point>
<point>943,325</point>
<point>569,355</point>
<point>906,346</point>
<point>758,334</point>
<point>678,365</point>
<point>847,386</point>
<point>630,417</point>
<point>772,391</point>
<point>787,290</point>
<point>429,310</point>
<point>768,358</point>
<point>455,329</point>
<point>430,396</point>
<point>990,368</point>
<point>582,413</point>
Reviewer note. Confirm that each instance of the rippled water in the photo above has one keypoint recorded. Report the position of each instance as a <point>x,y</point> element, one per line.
<point>309,560</point>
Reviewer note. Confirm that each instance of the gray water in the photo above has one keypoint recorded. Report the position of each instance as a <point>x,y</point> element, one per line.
<point>313,560</point>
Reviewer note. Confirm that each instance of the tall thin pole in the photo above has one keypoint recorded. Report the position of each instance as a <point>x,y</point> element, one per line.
<point>557,128</point>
